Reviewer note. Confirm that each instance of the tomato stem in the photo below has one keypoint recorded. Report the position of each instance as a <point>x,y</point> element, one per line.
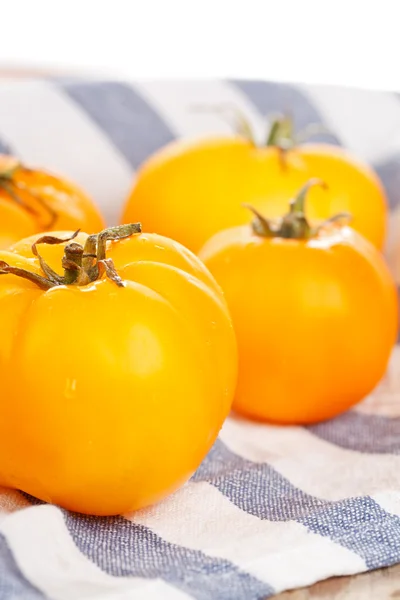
<point>109,268</point>
<point>12,188</point>
<point>72,262</point>
<point>297,204</point>
<point>82,265</point>
<point>42,282</point>
<point>47,270</point>
<point>233,116</point>
<point>261,225</point>
<point>281,132</point>
<point>119,232</point>
<point>294,225</point>
<point>343,218</point>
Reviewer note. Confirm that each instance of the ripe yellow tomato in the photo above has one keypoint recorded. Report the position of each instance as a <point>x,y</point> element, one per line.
<point>32,201</point>
<point>191,190</point>
<point>315,315</point>
<point>116,374</point>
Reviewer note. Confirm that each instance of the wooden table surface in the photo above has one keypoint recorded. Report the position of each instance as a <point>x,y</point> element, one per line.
<point>382,584</point>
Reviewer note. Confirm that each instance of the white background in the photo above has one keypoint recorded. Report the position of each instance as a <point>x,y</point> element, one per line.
<point>348,42</point>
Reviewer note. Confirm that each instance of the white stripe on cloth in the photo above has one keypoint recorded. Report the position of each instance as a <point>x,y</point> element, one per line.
<point>313,465</point>
<point>389,501</point>
<point>366,122</point>
<point>49,559</point>
<point>61,138</point>
<point>283,554</point>
<point>176,101</point>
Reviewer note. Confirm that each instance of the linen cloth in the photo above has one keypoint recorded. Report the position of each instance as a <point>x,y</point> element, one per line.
<point>270,508</point>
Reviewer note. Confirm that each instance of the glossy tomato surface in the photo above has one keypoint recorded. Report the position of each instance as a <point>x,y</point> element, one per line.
<point>35,200</point>
<point>191,190</point>
<point>111,396</point>
<point>315,320</point>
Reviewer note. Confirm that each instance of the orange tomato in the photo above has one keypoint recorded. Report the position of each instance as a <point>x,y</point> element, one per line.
<point>191,190</point>
<point>315,315</point>
<point>115,376</point>
<point>32,201</point>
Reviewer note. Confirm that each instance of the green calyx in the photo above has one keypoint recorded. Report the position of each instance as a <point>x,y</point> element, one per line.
<point>281,132</point>
<point>82,264</point>
<point>294,225</point>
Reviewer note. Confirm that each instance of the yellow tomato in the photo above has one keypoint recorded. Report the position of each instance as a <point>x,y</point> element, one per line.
<point>315,314</point>
<point>33,200</point>
<point>116,374</point>
<point>191,190</point>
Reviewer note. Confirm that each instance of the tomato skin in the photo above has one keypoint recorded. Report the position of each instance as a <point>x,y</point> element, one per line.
<point>315,321</point>
<point>73,209</point>
<point>191,190</point>
<point>15,223</point>
<point>112,396</point>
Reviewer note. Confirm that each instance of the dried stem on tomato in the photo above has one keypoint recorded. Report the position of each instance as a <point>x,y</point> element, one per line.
<point>82,264</point>
<point>13,189</point>
<point>281,131</point>
<point>294,225</point>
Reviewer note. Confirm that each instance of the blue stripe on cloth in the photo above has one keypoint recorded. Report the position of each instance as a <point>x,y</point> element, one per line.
<point>362,526</point>
<point>253,487</point>
<point>389,173</point>
<point>358,524</point>
<point>125,549</point>
<point>13,585</point>
<point>270,98</point>
<point>372,434</point>
<point>5,149</point>
<point>124,116</point>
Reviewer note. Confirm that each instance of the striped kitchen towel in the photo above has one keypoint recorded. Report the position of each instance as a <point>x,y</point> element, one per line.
<point>270,508</point>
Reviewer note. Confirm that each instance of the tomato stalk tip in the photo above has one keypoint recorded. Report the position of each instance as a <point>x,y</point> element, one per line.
<point>294,225</point>
<point>281,131</point>
<point>13,188</point>
<point>82,264</point>
<point>42,282</point>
